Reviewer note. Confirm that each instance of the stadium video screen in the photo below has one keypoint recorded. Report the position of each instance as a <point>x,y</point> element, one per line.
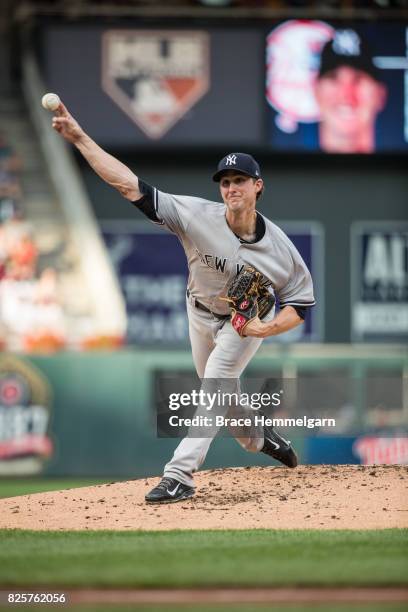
<point>320,87</point>
<point>337,89</point>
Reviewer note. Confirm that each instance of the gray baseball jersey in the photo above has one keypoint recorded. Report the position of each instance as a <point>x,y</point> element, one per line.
<point>215,254</point>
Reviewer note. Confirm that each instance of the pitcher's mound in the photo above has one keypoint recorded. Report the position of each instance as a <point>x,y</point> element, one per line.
<point>317,497</point>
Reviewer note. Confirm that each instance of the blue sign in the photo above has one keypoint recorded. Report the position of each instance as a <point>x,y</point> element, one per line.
<point>308,238</point>
<point>152,270</point>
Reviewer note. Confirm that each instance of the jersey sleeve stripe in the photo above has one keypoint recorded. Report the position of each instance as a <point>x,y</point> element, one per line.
<point>156,206</point>
<point>305,304</point>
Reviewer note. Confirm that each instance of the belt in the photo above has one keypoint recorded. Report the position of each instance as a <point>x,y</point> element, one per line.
<point>201,306</point>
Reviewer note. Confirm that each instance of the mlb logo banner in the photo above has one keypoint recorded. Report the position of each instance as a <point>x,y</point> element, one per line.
<point>379,276</point>
<point>155,77</point>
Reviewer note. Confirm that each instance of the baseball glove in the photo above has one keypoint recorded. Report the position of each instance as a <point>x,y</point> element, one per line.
<point>248,298</point>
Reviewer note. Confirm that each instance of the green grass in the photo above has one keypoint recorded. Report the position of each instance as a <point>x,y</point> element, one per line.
<point>10,487</point>
<point>204,558</point>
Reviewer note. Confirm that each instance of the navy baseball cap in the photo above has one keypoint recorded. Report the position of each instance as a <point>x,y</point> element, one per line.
<point>347,48</point>
<point>240,162</point>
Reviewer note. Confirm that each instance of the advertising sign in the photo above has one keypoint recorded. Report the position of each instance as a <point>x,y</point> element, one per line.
<point>379,276</point>
<point>308,238</point>
<point>372,449</point>
<point>152,270</point>
<point>367,449</point>
<point>25,411</point>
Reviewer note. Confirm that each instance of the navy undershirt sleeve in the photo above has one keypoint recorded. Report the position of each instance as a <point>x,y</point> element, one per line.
<point>146,203</point>
<point>301,310</point>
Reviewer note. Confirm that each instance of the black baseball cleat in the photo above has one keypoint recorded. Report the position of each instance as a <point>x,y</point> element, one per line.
<point>168,491</point>
<point>277,447</point>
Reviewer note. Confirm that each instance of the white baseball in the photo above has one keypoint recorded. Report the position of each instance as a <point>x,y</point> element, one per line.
<point>50,101</point>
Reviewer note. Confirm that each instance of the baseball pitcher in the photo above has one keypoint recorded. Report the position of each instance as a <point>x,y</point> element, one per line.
<point>239,263</point>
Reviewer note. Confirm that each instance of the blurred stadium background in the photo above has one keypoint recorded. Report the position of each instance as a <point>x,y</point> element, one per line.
<point>92,296</point>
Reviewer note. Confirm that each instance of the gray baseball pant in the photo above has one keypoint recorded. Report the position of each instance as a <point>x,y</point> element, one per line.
<point>218,353</point>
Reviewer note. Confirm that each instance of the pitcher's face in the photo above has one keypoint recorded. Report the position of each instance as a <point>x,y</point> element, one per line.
<point>239,191</point>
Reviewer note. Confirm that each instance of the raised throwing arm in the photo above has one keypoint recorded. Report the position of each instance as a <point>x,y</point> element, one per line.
<point>110,169</point>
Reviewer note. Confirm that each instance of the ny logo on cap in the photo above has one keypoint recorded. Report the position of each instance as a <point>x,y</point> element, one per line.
<point>231,160</point>
<point>346,42</point>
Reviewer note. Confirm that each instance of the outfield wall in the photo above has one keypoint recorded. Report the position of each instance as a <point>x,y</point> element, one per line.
<point>93,414</point>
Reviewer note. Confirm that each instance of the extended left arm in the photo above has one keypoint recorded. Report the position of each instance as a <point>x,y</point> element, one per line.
<point>286,319</point>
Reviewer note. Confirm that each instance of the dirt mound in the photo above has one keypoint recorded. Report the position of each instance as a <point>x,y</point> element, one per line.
<point>317,497</point>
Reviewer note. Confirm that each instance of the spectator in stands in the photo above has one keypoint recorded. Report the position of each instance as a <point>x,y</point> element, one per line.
<point>31,315</point>
<point>19,246</point>
<point>10,168</point>
<point>3,252</point>
<point>350,95</point>
<point>48,316</point>
<point>31,312</point>
<point>23,259</point>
